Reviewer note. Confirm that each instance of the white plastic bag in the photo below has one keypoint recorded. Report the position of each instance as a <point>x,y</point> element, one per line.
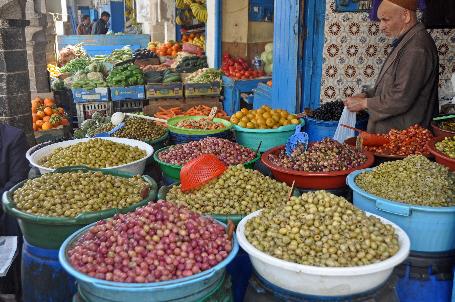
<point>347,118</point>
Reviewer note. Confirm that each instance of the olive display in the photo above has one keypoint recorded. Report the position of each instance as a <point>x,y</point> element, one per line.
<point>331,111</point>
<point>325,156</point>
<point>140,129</point>
<point>95,153</point>
<point>69,194</point>
<point>322,229</point>
<point>447,146</point>
<point>237,191</point>
<point>414,180</point>
<point>448,125</point>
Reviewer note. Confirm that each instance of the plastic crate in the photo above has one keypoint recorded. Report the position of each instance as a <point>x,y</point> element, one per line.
<point>127,93</point>
<point>202,89</point>
<point>85,110</point>
<point>164,90</point>
<point>128,106</point>
<point>81,95</point>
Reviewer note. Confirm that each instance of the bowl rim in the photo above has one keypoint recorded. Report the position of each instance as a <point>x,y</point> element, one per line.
<point>146,147</point>
<point>432,147</point>
<point>62,256</point>
<point>268,163</point>
<point>280,129</point>
<point>389,263</point>
<point>157,152</point>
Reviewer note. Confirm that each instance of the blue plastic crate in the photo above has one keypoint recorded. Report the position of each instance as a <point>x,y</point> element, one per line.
<point>81,95</point>
<point>127,93</point>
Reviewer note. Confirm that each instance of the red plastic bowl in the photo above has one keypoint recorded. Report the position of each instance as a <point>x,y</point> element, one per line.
<point>312,180</point>
<point>440,157</point>
<point>438,132</point>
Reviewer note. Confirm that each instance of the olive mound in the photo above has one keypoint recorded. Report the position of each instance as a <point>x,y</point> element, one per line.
<point>95,153</point>
<point>324,230</point>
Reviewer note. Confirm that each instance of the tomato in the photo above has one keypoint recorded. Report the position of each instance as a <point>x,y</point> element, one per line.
<point>231,69</point>
<point>238,74</point>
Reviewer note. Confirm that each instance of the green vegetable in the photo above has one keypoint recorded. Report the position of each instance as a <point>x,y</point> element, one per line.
<point>75,65</point>
<point>205,75</point>
<point>125,75</point>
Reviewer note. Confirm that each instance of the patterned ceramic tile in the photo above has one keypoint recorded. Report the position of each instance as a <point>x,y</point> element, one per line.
<point>355,49</point>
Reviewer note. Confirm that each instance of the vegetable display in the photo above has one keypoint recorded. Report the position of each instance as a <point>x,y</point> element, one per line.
<point>125,75</point>
<point>263,118</point>
<point>54,71</point>
<point>331,111</point>
<point>75,65</point>
<point>193,111</point>
<point>201,124</point>
<point>414,180</point>
<point>170,48</point>
<point>72,193</point>
<point>324,230</point>
<point>119,55</point>
<point>158,242</point>
<point>143,54</point>
<point>267,58</point>
<point>95,153</point>
<point>237,191</point>
<point>448,125</point>
<point>406,142</point>
<point>90,127</point>
<point>238,68</point>
<point>140,129</point>
<point>204,75</point>
<point>191,64</point>
<point>325,156</point>
<point>46,115</point>
<point>228,152</point>
<point>447,146</point>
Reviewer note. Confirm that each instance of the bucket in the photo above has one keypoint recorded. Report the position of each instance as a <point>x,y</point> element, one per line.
<point>431,229</point>
<point>221,293</point>
<point>317,130</point>
<point>426,277</point>
<point>43,278</point>
<point>192,288</point>
<point>260,290</point>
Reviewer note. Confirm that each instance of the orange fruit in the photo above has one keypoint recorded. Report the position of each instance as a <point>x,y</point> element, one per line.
<point>37,102</point>
<point>61,110</point>
<point>34,108</point>
<point>46,126</point>
<point>174,53</point>
<point>39,123</point>
<point>40,114</point>
<point>35,127</point>
<point>48,111</point>
<point>34,117</point>
<point>46,118</point>
<point>48,102</point>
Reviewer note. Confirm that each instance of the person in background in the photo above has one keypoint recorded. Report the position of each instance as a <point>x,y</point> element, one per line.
<point>406,90</point>
<point>101,27</point>
<point>14,168</point>
<point>85,27</point>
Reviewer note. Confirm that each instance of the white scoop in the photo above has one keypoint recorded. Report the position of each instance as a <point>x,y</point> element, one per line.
<point>118,117</point>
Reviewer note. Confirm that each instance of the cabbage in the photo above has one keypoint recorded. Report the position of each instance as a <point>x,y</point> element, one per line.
<point>268,68</point>
<point>80,75</point>
<point>264,57</point>
<point>95,76</point>
<point>269,57</point>
<point>269,47</point>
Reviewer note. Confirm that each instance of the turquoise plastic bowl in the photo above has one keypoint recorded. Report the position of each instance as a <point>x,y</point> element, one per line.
<point>431,229</point>
<point>270,138</point>
<point>189,289</point>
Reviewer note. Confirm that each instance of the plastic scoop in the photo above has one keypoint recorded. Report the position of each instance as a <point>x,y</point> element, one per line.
<point>369,139</point>
<point>212,113</point>
<point>446,117</point>
<point>118,118</point>
<point>109,133</point>
<point>296,139</point>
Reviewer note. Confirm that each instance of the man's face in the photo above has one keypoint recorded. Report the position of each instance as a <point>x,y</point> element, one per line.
<point>106,18</point>
<point>87,21</point>
<point>393,19</point>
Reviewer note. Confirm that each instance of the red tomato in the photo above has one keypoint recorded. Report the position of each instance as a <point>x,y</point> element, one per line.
<point>238,74</point>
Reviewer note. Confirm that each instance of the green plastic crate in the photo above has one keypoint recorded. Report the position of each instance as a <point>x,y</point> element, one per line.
<point>50,232</point>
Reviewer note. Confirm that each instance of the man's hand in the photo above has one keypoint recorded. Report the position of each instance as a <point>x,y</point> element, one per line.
<point>356,103</point>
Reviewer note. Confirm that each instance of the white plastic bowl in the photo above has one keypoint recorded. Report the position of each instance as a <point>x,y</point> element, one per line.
<point>323,281</point>
<point>136,167</point>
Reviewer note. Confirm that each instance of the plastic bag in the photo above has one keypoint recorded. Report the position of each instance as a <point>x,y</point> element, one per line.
<point>347,118</point>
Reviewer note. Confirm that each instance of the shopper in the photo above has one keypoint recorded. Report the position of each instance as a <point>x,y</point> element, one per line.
<point>13,169</point>
<point>85,27</point>
<point>406,90</point>
<point>101,27</point>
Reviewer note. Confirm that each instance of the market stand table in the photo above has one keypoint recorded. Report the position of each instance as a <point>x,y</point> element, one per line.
<point>233,88</point>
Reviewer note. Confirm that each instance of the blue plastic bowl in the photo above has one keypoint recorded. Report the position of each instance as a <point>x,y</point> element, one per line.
<point>431,229</point>
<point>318,130</point>
<point>188,289</point>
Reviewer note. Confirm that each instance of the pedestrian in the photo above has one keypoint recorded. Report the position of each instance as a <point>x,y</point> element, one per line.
<point>101,27</point>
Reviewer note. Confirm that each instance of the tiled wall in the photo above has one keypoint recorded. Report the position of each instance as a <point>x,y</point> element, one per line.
<point>355,49</point>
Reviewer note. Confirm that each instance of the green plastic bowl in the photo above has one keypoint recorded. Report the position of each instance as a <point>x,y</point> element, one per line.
<point>162,192</point>
<point>160,142</point>
<point>49,232</point>
<point>173,171</point>
<point>270,138</point>
<point>172,122</point>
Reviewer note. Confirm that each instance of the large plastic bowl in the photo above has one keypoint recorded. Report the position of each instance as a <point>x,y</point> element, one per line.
<point>136,167</point>
<point>440,157</point>
<point>431,229</point>
<point>48,231</point>
<point>322,281</point>
<point>194,287</point>
<point>173,171</point>
<point>441,132</point>
<point>270,138</point>
<point>311,180</point>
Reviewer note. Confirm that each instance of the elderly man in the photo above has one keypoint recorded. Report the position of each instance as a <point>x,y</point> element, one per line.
<point>406,90</point>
